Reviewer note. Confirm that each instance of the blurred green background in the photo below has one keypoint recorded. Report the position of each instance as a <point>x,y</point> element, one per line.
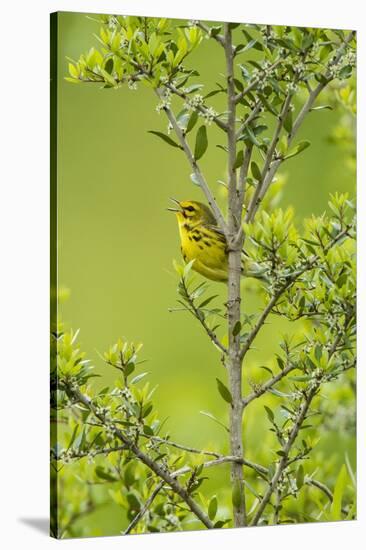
<point>117,242</point>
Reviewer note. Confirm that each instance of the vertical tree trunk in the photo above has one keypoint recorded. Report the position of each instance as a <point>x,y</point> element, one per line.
<point>234,363</point>
<point>235,381</point>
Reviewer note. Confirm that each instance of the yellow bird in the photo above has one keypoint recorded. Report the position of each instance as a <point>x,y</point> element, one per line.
<point>204,242</point>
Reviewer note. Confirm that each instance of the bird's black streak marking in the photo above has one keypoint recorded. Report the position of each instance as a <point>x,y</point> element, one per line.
<point>196,238</point>
<point>200,246</point>
<point>207,243</point>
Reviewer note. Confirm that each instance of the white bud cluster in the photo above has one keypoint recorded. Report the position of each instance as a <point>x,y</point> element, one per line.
<point>192,103</point>
<point>291,88</point>
<point>103,411</point>
<point>165,102</point>
<point>297,395</point>
<point>125,392</point>
<point>109,433</point>
<point>350,59</point>
<point>173,520</point>
<point>209,115</point>
<point>292,487</point>
<point>73,384</point>
<point>132,84</point>
<point>299,68</point>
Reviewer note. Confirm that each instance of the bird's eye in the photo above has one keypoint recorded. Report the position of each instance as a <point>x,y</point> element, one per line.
<point>190,208</point>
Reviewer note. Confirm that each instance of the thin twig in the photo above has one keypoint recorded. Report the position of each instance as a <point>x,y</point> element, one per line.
<point>268,385</point>
<point>145,508</point>
<point>201,108</point>
<point>195,312</point>
<point>159,470</point>
<point>256,81</point>
<point>252,208</point>
<point>310,264</point>
<point>272,167</point>
<point>165,441</point>
<point>218,37</point>
<point>284,458</point>
<point>300,417</point>
<point>196,169</point>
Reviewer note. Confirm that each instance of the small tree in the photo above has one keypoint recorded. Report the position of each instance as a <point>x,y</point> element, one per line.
<point>310,272</point>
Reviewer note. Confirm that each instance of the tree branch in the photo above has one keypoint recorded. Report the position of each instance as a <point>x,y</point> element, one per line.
<point>201,108</point>
<point>256,81</point>
<point>310,264</point>
<point>195,312</point>
<point>253,206</point>
<point>286,449</point>
<point>268,385</point>
<point>233,305</point>
<point>159,470</point>
<point>145,508</point>
<point>196,169</point>
<point>218,37</point>
<point>271,169</point>
<point>284,461</point>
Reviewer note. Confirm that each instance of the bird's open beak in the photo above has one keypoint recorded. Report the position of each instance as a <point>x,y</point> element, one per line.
<point>175,202</point>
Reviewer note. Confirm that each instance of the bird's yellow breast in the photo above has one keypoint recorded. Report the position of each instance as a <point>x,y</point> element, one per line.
<point>202,245</point>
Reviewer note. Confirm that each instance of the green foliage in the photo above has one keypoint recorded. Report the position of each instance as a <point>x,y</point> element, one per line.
<point>113,437</point>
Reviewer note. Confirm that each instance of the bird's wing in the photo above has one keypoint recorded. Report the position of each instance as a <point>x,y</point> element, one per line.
<point>218,232</point>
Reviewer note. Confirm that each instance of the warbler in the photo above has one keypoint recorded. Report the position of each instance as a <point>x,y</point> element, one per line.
<point>204,242</point>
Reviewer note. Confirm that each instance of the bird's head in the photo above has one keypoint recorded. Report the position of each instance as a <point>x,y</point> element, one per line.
<point>192,211</point>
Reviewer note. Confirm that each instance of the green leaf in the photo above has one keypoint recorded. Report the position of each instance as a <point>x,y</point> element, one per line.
<point>73,436</point>
<point>270,413</point>
<point>210,415</point>
<point>72,80</point>
<point>239,160</point>
<point>133,501</point>
<point>220,523</point>
<point>254,168</point>
<point>298,149</point>
<point>288,122</point>
<point>237,328</point>
<point>207,301</point>
<point>322,107</point>
<point>148,430</point>
<point>201,142</point>
<point>345,72</point>
<point>129,475</point>
<point>109,65</point>
<point>165,138</point>
<point>108,78</point>
<point>236,495</point>
<point>336,507</point>
<point>214,31</point>
<point>212,508</point>
<point>74,71</point>
<point>251,137</point>
<point>103,474</point>
<point>138,378</point>
<point>193,88</point>
<point>318,352</point>
<point>192,121</point>
<point>300,476</point>
<point>147,410</point>
<point>224,391</point>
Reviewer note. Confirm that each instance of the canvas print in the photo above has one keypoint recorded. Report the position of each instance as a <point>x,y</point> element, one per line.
<point>203,323</point>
